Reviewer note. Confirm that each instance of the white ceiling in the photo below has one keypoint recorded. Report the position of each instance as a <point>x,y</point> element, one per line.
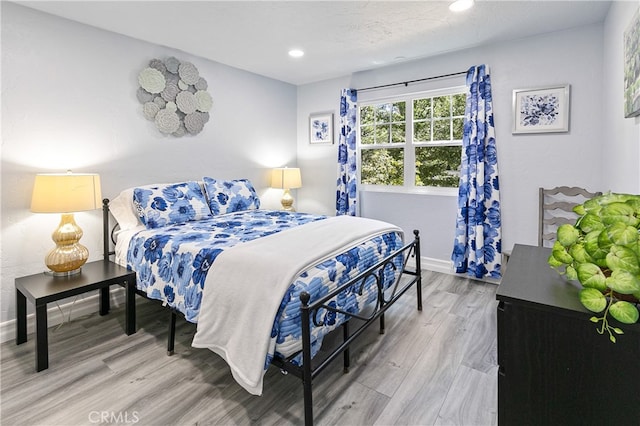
<point>339,37</point>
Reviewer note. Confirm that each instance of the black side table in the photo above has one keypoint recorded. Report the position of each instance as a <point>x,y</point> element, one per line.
<point>41,289</point>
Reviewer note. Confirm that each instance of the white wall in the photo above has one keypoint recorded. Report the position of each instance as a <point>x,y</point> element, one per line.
<point>620,143</point>
<point>526,161</point>
<point>69,102</point>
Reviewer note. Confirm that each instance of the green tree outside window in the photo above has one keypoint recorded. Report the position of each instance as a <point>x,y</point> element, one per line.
<point>432,129</point>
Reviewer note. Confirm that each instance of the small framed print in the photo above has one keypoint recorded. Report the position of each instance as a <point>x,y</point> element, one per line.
<point>321,128</point>
<point>541,110</point>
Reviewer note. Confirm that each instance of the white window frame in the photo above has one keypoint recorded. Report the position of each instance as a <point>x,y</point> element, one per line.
<point>409,146</point>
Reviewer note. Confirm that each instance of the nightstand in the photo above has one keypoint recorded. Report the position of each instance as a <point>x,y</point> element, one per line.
<point>42,288</point>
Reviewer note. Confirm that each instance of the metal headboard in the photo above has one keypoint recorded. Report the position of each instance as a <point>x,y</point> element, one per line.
<point>108,236</point>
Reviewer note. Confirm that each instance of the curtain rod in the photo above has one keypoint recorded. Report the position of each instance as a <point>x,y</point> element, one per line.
<point>406,83</point>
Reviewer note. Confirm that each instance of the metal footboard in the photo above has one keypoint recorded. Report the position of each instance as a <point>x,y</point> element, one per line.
<point>309,315</point>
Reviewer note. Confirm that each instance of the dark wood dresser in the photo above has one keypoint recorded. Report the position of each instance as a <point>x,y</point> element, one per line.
<point>555,369</point>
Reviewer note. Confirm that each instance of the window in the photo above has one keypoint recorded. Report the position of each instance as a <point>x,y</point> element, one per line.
<point>412,141</point>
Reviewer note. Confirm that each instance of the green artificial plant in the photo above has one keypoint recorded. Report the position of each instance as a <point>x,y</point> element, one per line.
<point>602,252</point>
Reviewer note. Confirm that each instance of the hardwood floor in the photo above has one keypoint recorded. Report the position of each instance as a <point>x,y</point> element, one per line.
<point>435,367</point>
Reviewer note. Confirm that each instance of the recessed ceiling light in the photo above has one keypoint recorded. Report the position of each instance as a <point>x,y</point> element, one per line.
<point>296,53</point>
<point>460,5</point>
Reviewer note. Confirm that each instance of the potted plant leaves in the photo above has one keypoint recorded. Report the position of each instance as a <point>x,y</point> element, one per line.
<point>602,252</point>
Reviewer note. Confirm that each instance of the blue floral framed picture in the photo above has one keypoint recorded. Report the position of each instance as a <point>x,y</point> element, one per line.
<point>541,110</point>
<point>321,128</point>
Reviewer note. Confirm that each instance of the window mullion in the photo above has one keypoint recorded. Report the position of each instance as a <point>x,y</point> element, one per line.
<point>409,150</point>
<point>450,117</point>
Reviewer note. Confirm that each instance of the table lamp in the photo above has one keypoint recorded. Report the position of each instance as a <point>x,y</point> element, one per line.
<point>66,193</point>
<point>286,178</point>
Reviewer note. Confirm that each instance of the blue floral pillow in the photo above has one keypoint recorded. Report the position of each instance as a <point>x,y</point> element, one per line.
<point>228,196</point>
<point>162,205</point>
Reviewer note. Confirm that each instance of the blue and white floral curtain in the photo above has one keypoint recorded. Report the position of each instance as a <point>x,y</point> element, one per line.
<point>346,195</point>
<point>478,245</point>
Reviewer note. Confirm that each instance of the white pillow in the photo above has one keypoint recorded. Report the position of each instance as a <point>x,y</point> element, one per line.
<point>122,209</point>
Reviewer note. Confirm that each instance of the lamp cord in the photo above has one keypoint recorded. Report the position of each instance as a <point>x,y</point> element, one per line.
<point>62,313</point>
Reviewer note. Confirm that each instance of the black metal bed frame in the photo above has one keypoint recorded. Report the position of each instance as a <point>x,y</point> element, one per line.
<point>309,311</point>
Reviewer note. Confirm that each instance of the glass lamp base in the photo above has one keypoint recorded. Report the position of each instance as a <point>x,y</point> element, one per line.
<point>287,201</point>
<point>63,274</point>
<point>68,255</point>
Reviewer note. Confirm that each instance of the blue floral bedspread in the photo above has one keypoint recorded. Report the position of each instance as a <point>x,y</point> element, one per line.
<point>172,264</point>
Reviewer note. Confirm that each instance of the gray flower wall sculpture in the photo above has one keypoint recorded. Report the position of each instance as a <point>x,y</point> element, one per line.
<point>174,96</point>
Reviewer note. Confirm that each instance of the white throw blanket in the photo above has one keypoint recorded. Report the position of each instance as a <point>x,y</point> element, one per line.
<point>246,284</point>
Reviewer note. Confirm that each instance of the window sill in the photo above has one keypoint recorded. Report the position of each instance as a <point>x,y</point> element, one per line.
<point>446,192</point>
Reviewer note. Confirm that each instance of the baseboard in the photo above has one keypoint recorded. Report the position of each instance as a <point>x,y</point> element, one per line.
<point>79,306</point>
<point>431,264</point>
<point>446,267</point>
<point>436,265</point>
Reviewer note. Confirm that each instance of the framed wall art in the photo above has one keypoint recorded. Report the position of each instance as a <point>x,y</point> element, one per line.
<point>541,110</point>
<point>321,128</point>
<point>632,67</point>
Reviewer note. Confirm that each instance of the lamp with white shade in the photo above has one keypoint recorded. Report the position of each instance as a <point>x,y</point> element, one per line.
<point>66,193</point>
<point>286,178</point>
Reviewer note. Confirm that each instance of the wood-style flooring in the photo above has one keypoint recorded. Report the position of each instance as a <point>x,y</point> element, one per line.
<point>435,367</point>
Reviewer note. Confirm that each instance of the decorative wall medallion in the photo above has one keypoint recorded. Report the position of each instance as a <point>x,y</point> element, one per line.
<point>174,96</point>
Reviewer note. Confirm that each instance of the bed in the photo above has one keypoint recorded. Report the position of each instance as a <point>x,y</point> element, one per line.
<point>263,287</point>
